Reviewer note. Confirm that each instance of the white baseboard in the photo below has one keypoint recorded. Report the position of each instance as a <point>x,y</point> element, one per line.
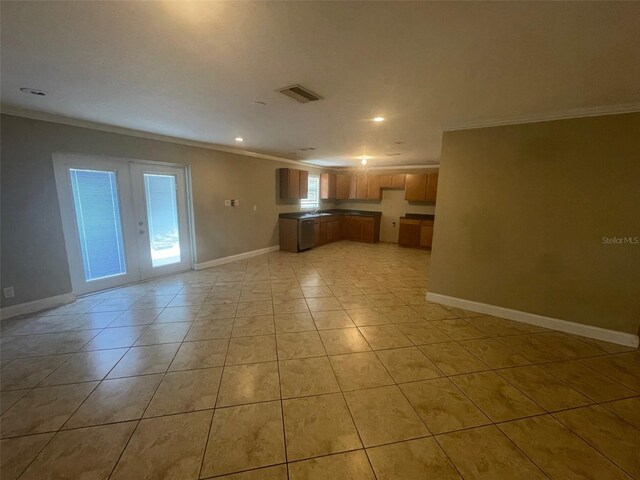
<point>613,336</point>
<point>37,305</point>
<point>235,258</point>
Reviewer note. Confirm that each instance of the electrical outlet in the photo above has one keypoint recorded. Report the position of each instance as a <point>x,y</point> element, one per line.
<point>227,203</point>
<point>8,292</point>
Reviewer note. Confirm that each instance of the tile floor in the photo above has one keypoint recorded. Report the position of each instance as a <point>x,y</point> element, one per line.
<point>323,365</point>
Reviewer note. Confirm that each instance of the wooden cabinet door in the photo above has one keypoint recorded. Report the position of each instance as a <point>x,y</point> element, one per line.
<point>323,233</point>
<point>426,234</point>
<point>283,181</point>
<point>343,183</point>
<point>316,234</point>
<point>397,181</point>
<point>409,233</point>
<point>373,188</point>
<point>352,187</point>
<point>303,183</point>
<point>415,187</point>
<point>354,229</point>
<point>386,181</point>
<point>367,229</point>
<point>361,186</point>
<point>328,186</point>
<point>324,186</point>
<point>333,230</point>
<point>432,187</point>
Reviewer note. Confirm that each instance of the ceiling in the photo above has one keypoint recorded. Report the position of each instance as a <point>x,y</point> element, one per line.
<point>192,70</point>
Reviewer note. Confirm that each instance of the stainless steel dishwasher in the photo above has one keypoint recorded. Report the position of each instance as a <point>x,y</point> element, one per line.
<point>305,234</point>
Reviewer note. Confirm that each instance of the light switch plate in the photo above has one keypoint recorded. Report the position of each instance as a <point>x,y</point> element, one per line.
<point>227,203</point>
<point>8,292</point>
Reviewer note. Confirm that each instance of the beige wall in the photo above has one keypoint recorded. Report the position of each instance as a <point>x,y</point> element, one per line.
<point>34,259</point>
<point>522,210</point>
<point>392,206</point>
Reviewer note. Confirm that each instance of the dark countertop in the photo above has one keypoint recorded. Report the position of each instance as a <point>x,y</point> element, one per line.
<point>419,216</point>
<point>332,211</point>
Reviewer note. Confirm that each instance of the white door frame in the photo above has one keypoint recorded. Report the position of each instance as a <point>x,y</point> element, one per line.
<point>140,208</point>
<point>62,162</point>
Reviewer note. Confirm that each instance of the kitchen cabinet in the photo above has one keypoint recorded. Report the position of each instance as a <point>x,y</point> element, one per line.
<point>361,229</point>
<point>328,186</point>
<point>362,186</point>
<point>398,181</point>
<point>426,233</point>
<point>386,181</point>
<point>415,187</point>
<point>392,181</point>
<point>294,184</point>
<point>432,187</point>
<point>374,191</point>
<point>343,186</point>
<point>288,234</point>
<point>415,233</point>
<point>421,187</point>
<point>330,228</point>
<point>409,233</point>
<point>304,183</point>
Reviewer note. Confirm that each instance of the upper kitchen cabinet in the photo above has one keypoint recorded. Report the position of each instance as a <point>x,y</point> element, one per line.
<point>343,187</point>
<point>392,181</point>
<point>398,181</point>
<point>432,187</point>
<point>416,187</point>
<point>362,187</point>
<point>328,186</point>
<point>294,183</point>
<point>373,188</point>
<point>421,187</point>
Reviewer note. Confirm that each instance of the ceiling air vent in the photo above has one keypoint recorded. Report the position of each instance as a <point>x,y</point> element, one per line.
<point>300,94</point>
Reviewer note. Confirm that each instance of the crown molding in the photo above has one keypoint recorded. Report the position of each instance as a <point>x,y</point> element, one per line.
<point>535,118</point>
<point>103,127</point>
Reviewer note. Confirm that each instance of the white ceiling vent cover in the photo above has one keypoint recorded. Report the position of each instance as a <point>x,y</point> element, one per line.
<point>300,94</point>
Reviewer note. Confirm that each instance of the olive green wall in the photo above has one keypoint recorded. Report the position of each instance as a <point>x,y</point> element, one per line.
<point>521,215</point>
<point>34,259</point>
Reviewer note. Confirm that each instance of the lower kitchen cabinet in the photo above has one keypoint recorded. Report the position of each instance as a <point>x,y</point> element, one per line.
<point>415,233</point>
<point>327,229</point>
<point>361,229</point>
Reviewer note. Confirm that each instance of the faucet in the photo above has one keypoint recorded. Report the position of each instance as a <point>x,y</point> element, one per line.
<point>315,211</point>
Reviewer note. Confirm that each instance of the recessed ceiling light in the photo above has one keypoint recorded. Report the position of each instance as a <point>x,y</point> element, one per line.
<point>307,149</point>
<point>399,143</point>
<point>239,139</point>
<point>259,103</point>
<point>33,91</point>
<point>378,119</point>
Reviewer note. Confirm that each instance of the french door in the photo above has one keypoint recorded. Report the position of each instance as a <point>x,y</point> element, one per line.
<point>123,221</point>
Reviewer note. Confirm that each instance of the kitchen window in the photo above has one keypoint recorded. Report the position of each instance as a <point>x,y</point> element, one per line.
<point>313,196</point>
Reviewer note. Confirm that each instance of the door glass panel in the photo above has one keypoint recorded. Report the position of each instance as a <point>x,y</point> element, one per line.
<point>95,197</point>
<point>162,218</point>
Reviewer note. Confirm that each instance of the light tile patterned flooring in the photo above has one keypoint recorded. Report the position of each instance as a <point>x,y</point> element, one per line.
<point>323,365</point>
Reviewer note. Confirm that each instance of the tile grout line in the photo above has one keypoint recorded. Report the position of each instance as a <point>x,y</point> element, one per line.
<point>139,420</point>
